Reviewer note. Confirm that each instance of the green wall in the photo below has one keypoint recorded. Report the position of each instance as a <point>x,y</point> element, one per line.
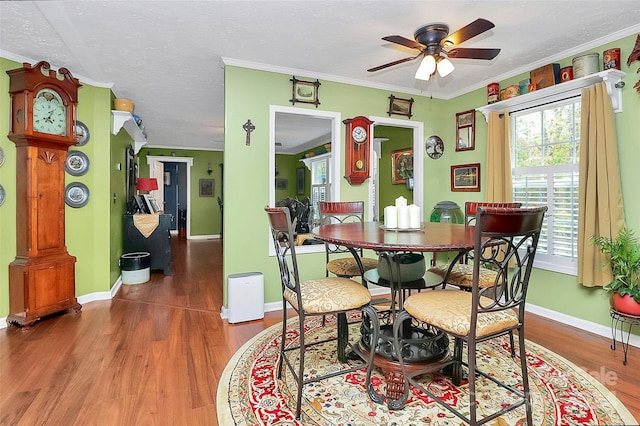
<point>204,212</point>
<point>287,165</point>
<point>118,182</point>
<point>87,237</point>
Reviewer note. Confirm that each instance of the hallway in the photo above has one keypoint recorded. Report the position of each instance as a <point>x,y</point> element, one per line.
<point>152,355</point>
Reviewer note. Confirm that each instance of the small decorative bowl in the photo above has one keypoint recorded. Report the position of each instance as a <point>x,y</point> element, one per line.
<point>123,104</point>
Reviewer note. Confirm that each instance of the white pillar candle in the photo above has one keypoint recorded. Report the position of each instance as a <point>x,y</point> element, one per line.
<point>390,217</point>
<point>401,202</point>
<point>414,216</point>
<point>403,217</point>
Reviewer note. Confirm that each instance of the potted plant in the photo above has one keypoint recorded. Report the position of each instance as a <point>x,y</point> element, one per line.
<point>623,255</point>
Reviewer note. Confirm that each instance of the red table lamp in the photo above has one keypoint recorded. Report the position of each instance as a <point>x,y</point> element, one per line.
<point>147,184</point>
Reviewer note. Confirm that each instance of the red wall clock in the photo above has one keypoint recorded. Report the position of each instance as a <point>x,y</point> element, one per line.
<point>357,147</point>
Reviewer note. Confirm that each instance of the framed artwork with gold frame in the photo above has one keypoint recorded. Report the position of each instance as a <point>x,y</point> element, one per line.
<point>465,178</point>
<point>401,165</point>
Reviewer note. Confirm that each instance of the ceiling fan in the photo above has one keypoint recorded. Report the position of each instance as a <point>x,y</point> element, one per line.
<point>435,45</point>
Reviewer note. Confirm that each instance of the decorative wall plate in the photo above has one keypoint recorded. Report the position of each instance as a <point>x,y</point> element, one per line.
<point>434,147</point>
<point>1,156</point>
<point>81,133</point>
<point>2,195</point>
<point>77,163</point>
<point>76,194</point>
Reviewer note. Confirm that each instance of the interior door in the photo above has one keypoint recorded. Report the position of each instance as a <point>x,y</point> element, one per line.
<point>158,172</point>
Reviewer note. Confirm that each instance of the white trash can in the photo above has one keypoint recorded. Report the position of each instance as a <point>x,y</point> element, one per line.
<point>135,267</point>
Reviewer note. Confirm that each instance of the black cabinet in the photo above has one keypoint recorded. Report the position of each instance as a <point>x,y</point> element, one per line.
<point>158,243</point>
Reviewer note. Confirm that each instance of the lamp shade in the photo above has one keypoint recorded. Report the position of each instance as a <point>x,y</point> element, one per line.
<point>426,68</point>
<point>147,184</point>
<point>445,67</point>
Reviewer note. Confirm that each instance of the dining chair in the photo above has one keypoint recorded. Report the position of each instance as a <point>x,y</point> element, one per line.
<point>506,238</point>
<point>459,272</point>
<point>328,295</point>
<point>337,263</point>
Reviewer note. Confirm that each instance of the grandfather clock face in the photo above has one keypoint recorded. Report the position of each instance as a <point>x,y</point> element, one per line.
<point>49,113</point>
<point>357,147</point>
<point>43,104</point>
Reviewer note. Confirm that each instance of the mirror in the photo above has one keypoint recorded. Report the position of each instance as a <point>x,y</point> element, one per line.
<point>300,183</point>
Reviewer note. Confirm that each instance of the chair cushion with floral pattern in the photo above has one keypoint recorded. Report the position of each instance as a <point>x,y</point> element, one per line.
<point>450,310</point>
<point>462,275</point>
<point>347,266</point>
<point>326,295</point>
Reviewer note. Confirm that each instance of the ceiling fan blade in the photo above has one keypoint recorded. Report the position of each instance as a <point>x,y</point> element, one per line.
<point>404,42</point>
<point>465,33</point>
<point>390,64</point>
<point>471,53</point>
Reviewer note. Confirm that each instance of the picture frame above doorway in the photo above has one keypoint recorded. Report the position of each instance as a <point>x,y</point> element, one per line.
<point>305,92</point>
<point>400,106</point>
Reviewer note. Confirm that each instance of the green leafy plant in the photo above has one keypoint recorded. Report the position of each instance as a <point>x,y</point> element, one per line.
<point>623,254</point>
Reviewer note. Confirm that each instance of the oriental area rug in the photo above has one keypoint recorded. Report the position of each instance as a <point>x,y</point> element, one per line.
<point>250,393</point>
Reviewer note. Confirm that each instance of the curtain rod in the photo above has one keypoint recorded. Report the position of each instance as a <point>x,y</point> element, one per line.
<point>539,105</point>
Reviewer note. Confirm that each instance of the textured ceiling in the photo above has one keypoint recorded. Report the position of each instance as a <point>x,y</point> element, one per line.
<point>169,56</point>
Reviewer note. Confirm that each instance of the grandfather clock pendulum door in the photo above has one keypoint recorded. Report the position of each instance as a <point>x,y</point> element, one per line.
<point>43,110</point>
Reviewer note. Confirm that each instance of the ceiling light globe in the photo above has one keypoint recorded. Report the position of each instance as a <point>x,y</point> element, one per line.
<point>445,67</point>
<point>426,68</point>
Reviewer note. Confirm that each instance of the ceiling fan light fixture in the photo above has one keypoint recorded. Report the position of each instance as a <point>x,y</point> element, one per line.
<point>426,68</point>
<point>445,67</point>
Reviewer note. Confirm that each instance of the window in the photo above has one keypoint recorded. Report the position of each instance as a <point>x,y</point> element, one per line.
<point>545,172</point>
<point>320,180</point>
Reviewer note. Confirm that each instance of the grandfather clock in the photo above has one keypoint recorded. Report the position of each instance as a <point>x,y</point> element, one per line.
<point>43,110</point>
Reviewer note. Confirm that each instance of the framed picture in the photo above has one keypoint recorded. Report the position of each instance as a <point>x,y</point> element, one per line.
<point>151,203</point>
<point>207,187</point>
<point>401,165</point>
<point>466,130</point>
<point>465,178</point>
<point>300,180</point>
<point>305,92</point>
<point>131,171</point>
<point>400,106</point>
<point>282,184</point>
<point>141,204</point>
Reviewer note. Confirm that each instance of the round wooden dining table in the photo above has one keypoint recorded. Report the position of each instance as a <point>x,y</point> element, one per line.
<point>431,237</point>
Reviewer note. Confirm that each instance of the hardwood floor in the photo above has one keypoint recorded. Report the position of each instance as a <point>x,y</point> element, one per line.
<point>154,354</point>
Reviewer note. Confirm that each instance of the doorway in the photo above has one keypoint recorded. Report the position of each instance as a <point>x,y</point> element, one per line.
<point>175,194</point>
<point>181,195</point>
<point>417,128</point>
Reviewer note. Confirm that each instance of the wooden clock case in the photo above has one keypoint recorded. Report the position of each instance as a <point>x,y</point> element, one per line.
<point>356,166</point>
<point>42,276</point>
